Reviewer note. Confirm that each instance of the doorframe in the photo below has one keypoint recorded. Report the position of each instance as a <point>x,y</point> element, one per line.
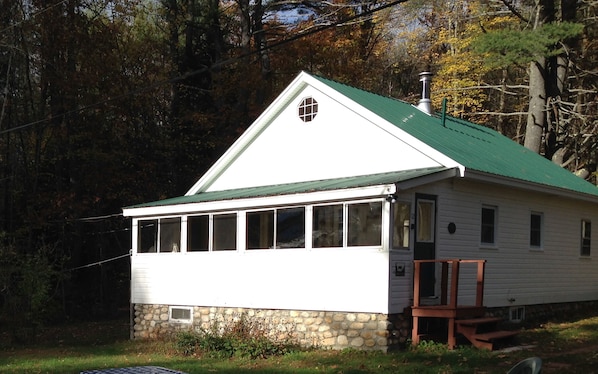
<point>426,250</point>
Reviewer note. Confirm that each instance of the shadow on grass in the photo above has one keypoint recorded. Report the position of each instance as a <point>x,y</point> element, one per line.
<point>563,346</point>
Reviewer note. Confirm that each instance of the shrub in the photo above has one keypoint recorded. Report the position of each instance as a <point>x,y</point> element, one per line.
<point>27,285</point>
<point>243,338</point>
<point>187,342</point>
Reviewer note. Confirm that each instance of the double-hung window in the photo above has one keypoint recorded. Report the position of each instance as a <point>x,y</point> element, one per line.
<point>536,229</point>
<point>489,225</point>
<point>586,237</point>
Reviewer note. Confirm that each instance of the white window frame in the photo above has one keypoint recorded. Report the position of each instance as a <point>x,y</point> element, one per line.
<point>211,230</point>
<point>393,203</point>
<point>345,218</point>
<point>585,235</point>
<point>276,211</point>
<point>307,112</point>
<point>539,246</point>
<point>517,314</point>
<point>180,320</point>
<point>159,234</point>
<point>418,221</point>
<point>241,229</point>
<point>494,243</point>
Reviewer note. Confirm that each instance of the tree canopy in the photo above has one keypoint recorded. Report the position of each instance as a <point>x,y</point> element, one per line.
<point>105,104</point>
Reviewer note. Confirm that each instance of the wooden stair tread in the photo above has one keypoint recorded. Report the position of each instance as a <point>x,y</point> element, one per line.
<point>489,336</point>
<point>478,321</point>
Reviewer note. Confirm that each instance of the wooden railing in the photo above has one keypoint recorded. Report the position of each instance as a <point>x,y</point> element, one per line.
<point>454,281</point>
<point>448,307</point>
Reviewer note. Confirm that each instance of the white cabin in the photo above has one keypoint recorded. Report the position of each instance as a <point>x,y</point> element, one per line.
<point>320,208</point>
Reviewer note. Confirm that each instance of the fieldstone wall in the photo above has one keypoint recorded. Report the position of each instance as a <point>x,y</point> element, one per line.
<point>335,330</point>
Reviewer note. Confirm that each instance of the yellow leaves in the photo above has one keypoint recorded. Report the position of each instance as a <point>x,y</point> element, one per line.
<point>459,70</point>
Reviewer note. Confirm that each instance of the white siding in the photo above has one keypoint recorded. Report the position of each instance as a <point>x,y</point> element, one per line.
<point>401,287</point>
<point>339,142</point>
<point>364,279</point>
<point>515,273</point>
<point>353,280</point>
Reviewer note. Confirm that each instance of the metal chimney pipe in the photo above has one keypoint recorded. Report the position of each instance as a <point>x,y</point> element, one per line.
<point>425,104</point>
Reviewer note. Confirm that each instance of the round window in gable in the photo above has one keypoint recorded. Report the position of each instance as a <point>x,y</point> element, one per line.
<point>308,109</point>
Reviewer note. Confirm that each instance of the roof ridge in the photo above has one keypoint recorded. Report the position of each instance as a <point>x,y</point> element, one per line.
<point>327,80</point>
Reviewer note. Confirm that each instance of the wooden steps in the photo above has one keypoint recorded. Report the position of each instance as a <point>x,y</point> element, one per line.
<point>483,332</point>
<point>467,320</point>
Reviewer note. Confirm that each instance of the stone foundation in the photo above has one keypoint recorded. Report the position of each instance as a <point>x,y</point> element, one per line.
<point>335,330</point>
<point>542,313</point>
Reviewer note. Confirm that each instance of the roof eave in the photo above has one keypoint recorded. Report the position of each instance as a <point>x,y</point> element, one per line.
<point>431,178</point>
<point>531,186</point>
<point>262,201</point>
<point>249,135</point>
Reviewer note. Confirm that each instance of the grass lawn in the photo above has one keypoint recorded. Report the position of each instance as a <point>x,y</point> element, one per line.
<point>565,347</point>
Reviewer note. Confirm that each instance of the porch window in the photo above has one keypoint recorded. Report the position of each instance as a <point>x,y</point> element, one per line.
<point>535,231</point>
<point>488,229</point>
<point>290,228</point>
<point>147,239</point>
<point>225,232</point>
<point>170,234</point>
<point>586,237</point>
<point>328,226</point>
<point>159,235</point>
<point>365,224</point>
<point>198,233</point>
<point>260,229</point>
<point>401,224</point>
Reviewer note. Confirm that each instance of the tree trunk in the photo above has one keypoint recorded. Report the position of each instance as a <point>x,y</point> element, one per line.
<point>536,117</point>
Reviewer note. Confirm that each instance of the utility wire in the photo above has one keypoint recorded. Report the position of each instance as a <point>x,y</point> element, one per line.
<point>33,15</point>
<point>96,218</point>
<point>98,262</point>
<point>207,68</point>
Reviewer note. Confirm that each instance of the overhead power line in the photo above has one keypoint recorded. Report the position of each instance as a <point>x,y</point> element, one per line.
<point>97,263</point>
<point>33,15</point>
<point>219,64</point>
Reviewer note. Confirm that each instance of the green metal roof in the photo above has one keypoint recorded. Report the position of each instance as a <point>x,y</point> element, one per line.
<point>474,146</point>
<point>300,187</point>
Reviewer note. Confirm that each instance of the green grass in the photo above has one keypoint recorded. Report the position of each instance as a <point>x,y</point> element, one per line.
<point>565,347</point>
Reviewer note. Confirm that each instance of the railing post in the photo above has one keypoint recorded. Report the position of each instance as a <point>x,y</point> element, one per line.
<point>444,283</point>
<point>416,283</point>
<point>454,283</point>
<point>480,285</point>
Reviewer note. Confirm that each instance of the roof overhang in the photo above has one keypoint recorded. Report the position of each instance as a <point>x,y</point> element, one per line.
<point>263,201</point>
<point>429,178</point>
<point>531,186</point>
<point>358,187</point>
